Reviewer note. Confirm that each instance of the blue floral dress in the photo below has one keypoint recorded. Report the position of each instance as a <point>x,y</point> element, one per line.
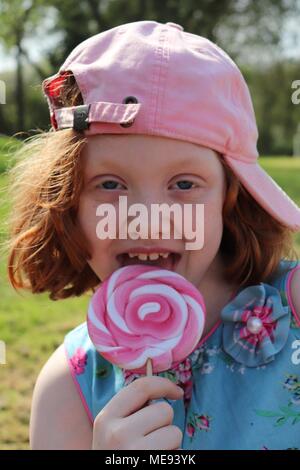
<point>242,383</point>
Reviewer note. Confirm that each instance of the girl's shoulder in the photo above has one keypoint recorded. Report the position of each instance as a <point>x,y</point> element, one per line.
<point>56,402</point>
<point>284,279</point>
<point>96,379</point>
<point>282,276</point>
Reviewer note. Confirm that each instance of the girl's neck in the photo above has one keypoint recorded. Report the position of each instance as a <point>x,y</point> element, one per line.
<point>217,292</point>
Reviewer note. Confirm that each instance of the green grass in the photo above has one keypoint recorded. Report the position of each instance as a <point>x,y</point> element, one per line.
<point>8,145</point>
<point>286,172</point>
<point>32,326</point>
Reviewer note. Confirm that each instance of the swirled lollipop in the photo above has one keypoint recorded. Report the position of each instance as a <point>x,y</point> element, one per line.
<point>143,313</point>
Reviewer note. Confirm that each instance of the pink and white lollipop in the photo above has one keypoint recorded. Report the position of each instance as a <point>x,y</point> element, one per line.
<point>144,312</point>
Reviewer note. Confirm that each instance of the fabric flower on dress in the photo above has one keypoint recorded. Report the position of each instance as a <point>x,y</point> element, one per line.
<point>256,325</point>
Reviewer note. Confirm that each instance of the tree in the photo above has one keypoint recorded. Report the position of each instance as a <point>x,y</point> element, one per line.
<point>18,19</point>
<point>241,27</point>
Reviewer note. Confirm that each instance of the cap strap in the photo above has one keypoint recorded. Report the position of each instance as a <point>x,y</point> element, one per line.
<point>79,117</point>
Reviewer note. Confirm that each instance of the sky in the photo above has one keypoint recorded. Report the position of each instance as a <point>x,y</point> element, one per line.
<point>291,38</point>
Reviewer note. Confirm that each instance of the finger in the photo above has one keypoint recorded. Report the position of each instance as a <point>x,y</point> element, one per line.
<point>134,396</point>
<point>148,419</point>
<point>166,438</point>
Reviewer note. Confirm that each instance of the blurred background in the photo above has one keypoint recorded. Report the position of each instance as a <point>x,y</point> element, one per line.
<point>35,38</point>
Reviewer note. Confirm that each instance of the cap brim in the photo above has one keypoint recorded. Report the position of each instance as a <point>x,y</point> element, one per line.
<point>266,192</point>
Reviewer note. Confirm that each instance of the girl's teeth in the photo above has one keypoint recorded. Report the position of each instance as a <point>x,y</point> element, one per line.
<point>151,256</point>
<point>154,256</point>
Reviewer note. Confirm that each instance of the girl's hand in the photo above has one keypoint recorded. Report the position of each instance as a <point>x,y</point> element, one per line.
<point>125,424</point>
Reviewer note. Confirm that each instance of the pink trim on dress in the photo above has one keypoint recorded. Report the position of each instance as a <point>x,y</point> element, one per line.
<point>217,324</point>
<point>85,405</point>
<point>289,296</point>
<point>213,329</point>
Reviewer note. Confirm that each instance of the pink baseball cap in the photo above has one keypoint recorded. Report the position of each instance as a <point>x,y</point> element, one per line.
<point>151,78</point>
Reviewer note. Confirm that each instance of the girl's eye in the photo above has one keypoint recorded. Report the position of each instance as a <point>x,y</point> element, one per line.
<point>184,184</point>
<point>109,184</point>
<point>112,184</point>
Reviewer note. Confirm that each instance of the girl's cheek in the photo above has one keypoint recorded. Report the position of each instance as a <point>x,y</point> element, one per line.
<point>101,196</point>
<point>213,219</point>
<point>87,218</point>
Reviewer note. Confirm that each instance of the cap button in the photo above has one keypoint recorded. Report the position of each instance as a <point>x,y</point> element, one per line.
<point>175,25</point>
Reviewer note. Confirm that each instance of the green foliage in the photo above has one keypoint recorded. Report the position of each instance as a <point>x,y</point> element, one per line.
<point>276,115</point>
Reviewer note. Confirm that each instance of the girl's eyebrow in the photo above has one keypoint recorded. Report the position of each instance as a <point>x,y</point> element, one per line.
<point>169,164</point>
<point>103,166</point>
<point>184,166</point>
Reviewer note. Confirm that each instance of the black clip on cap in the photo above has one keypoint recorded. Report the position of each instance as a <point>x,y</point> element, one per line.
<point>81,117</point>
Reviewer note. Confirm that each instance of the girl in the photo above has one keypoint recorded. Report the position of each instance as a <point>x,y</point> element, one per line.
<point>148,111</point>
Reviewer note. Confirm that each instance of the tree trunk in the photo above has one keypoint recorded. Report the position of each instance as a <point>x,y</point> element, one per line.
<point>19,89</point>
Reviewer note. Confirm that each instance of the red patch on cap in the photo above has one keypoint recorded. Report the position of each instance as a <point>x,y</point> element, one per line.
<point>53,87</point>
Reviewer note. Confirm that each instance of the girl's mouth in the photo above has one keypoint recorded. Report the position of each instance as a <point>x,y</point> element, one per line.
<point>162,260</point>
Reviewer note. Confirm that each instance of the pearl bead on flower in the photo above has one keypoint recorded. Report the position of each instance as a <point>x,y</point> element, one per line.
<point>254,325</point>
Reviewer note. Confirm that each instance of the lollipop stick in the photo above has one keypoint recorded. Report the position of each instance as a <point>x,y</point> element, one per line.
<point>149,367</point>
<point>149,374</point>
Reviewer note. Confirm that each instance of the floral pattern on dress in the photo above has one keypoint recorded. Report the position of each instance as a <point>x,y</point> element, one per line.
<point>290,412</point>
<point>181,374</point>
<point>256,325</point>
<point>292,383</point>
<point>79,361</point>
<point>197,422</point>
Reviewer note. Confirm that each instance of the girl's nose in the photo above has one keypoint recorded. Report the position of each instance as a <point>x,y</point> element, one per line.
<point>155,219</point>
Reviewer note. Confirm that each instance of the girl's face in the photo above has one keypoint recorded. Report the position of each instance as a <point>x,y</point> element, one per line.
<point>151,170</point>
